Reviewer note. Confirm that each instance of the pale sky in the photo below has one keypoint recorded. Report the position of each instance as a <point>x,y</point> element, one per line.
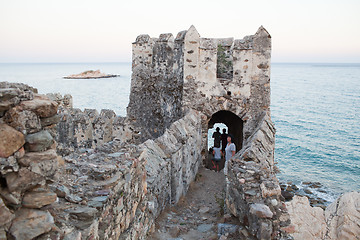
<point>102,31</point>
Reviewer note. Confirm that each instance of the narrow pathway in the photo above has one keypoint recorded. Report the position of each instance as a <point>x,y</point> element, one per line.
<point>200,214</point>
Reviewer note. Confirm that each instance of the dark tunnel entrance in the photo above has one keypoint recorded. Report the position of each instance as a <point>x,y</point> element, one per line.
<point>233,124</point>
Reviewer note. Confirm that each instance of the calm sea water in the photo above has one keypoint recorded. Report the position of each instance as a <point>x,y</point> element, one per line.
<point>316,110</point>
<point>315,107</point>
<point>108,93</point>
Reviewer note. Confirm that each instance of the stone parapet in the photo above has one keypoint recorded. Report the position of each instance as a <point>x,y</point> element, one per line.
<point>104,187</point>
<point>28,161</point>
<point>253,191</point>
<point>116,191</point>
<point>86,129</point>
<point>176,156</point>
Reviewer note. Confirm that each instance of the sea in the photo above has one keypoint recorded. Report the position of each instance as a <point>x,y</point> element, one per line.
<point>315,108</point>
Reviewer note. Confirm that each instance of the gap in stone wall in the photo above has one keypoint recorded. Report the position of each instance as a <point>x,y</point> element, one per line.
<point>224,64</point>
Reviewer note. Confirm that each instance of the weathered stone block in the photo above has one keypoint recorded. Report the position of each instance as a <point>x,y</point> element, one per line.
<point>8,98</point>
<point>38,198</point>
<point>61,191</point>
<point>39,141</point>
<point>41,105</point>
<point>22,180</point>
<point>83,213</point>
<point>30,223</point>
<point>23,120</point>
<point>36,157</point>
<point>6,215</point>
<point>12,198</point>
<point>50,120</point>
<point>270,189</point>
<point>10,140</point>
<point>261,210</point>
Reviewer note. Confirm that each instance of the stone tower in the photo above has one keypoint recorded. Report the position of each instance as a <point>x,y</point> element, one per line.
<point>226,80</point>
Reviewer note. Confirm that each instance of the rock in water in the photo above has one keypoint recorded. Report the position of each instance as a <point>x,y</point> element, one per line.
<point>30,223</point>
<point>90,74</point>
<point>10,140</point>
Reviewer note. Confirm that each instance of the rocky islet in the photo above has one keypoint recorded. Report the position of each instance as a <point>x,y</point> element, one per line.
<point>91,74</point>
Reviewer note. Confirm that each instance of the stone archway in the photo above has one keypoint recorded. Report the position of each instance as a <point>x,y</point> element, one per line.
<point>233,122</point>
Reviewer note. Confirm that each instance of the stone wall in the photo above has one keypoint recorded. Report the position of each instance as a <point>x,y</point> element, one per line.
<point>86,129</point>
<point>173,160</point>
<point>106,190</point>
<point>253,191</point>
<point>116,191</point>
<point>28,161</point>
<point>156,85</point>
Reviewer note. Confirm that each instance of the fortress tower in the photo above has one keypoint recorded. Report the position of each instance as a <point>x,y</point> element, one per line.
<point>226,80</point>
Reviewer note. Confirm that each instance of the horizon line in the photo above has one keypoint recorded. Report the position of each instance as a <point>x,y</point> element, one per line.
<point>276,62</point>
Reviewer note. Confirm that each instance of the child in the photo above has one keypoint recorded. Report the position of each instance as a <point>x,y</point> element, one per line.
<point>217,157</point>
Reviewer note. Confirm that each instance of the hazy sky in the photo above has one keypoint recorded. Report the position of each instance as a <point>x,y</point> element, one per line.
<point>102,31</point>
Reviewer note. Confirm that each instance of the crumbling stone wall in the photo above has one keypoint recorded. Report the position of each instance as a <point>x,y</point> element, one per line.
<point>253,192</point>
<point>108,191</point>
<point>28,161</point>
<point>175,156</point>
<point>156,85</point>
<point>87,129</point>
<point>82,130</point>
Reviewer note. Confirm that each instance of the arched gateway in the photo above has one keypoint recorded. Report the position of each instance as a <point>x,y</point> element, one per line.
<point>233,123</point>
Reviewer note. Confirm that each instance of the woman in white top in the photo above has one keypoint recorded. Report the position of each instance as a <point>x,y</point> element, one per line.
<point>229,152</point>
<point>230,149</point>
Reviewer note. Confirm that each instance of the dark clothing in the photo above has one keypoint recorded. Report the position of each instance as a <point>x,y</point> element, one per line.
<point>223,141</point>
<point>216,136</point>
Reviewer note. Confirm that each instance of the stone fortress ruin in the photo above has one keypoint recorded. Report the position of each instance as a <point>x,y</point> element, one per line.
<point>111,177</point>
